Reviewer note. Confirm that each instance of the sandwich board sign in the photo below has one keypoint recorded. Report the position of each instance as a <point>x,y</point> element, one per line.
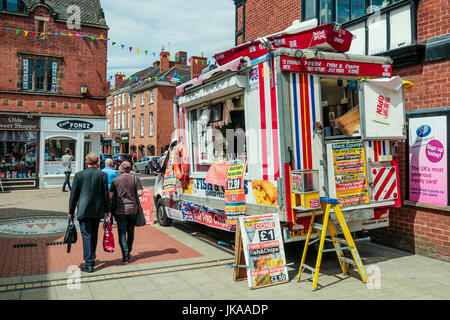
<point>259,242</point>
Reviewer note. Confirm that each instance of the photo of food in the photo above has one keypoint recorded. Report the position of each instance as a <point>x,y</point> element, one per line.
<point>265,192</point>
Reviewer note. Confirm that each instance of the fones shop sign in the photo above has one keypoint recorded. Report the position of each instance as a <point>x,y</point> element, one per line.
<point>75,125</point>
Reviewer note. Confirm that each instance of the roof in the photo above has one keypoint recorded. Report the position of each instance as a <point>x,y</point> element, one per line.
<point>152,72</point>
<point>91,10</point>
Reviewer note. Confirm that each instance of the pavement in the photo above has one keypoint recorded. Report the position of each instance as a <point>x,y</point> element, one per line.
<point>171,263</point>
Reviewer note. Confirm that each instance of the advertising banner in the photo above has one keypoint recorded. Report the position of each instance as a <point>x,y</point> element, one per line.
<point>263,250</point>
<point>428,160</point>
<point>55,167</point>
<point>235,191</point>
<point>147,205</point>
<point>349,164</point>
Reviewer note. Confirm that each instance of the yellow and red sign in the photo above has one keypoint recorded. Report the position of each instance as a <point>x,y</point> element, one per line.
<point>349,163</point>
<point>235,191</point>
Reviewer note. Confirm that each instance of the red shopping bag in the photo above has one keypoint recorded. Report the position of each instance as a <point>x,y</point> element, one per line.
<point>108,236</point>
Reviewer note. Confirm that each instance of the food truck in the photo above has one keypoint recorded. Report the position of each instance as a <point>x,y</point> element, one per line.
<point>280,122</point>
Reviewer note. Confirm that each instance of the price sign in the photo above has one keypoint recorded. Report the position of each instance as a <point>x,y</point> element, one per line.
<point>262,244</point>
<point>235,192</point>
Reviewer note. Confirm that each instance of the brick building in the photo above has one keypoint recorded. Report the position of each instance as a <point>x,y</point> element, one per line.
<point>415,34</point>
<point>141,115</point>
<point>53,70</point>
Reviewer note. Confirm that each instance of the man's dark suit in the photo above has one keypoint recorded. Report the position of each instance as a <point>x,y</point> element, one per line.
<point>91,199</point>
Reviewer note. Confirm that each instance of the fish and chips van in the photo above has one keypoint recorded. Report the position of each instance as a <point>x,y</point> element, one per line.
<point>280,122</point>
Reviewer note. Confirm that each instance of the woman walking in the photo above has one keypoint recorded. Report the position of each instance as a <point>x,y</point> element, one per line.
<point>124,193</point>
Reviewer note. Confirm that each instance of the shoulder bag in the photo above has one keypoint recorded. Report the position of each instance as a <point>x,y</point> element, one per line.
<point>140,218</point>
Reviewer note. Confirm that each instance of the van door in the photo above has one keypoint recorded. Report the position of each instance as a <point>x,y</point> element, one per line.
<point>382,109</point>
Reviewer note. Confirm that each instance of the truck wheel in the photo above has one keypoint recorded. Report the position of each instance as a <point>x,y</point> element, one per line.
<point>161,214</point>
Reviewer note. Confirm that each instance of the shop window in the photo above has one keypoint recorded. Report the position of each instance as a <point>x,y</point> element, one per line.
<point>378,25</point>
<point>39,74</point>
<point>218,133</point>
<point>54,150</point>
<point>18,154</point>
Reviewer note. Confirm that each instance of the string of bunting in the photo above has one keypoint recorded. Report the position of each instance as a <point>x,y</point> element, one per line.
<point>93,38</point>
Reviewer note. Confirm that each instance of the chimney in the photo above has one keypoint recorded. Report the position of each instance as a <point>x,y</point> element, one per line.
<point>197,66</point>
<point>164,61</point>
<point>181,58</point>
<point>119,80</point>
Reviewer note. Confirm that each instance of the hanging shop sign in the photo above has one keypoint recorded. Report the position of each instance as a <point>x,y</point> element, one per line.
<point>235,191</point>
<point>263,248</point>
<point>428,160</point>
<point>350,173</point>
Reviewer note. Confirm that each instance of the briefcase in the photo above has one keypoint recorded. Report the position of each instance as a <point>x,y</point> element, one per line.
<point>71,234</point>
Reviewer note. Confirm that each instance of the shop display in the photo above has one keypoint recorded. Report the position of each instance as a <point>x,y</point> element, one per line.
<point>18,154</point>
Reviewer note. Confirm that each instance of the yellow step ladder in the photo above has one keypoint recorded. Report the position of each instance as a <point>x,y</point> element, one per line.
<point>349,244</point>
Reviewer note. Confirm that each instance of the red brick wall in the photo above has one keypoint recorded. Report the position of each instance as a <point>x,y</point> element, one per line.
<point>84,64</point>
<point>263,17</point>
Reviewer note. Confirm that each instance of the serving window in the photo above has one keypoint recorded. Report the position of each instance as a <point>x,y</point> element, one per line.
<point>218,133</point>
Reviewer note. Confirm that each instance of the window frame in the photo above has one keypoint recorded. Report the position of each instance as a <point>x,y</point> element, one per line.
<point>48,63</point>
<point>142,125</point>
<point>151,124</point>
<point>364,18</point>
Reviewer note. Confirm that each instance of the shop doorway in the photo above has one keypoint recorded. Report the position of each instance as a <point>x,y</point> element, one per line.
<point>87,149</point>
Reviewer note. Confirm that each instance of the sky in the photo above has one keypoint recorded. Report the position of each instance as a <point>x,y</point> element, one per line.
<point>194,26</point>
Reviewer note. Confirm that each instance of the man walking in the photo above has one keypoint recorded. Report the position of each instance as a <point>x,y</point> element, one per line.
<point>67,165</point>
<point>91,199</point>
<point>109,164</point>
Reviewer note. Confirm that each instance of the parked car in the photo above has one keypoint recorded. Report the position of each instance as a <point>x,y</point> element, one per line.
<point>118,158</point>
<point>148,164</point>
<point>103,157</point>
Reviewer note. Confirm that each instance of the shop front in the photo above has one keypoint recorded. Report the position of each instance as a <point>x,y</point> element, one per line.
<point>19,142</point>
<point>80,135</point>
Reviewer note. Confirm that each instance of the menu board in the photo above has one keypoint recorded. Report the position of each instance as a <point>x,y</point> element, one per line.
<point>235,191</point>
<point>349,162</point>
<point>263,248</point>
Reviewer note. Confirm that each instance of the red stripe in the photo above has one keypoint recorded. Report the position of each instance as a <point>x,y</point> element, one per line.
<point>262,101</point>
<point>383,185</point>
<point>287,186</point>
<point>308,123</point>
<point>302,112</point>
<point>378,177</point>
<point>273,101</point>
<point>388,194</point>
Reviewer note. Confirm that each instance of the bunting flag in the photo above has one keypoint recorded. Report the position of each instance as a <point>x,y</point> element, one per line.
<point>101,37</point>
<point>114,43</point>
<point>17,32</point>
<point>138,50</point>
<point>123,46</point>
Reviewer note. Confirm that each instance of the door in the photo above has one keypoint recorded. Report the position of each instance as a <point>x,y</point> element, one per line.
<point>382,109</point>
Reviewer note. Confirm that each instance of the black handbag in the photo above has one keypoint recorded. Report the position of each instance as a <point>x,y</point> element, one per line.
<point>140,218</point>
<point>71,234</point>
